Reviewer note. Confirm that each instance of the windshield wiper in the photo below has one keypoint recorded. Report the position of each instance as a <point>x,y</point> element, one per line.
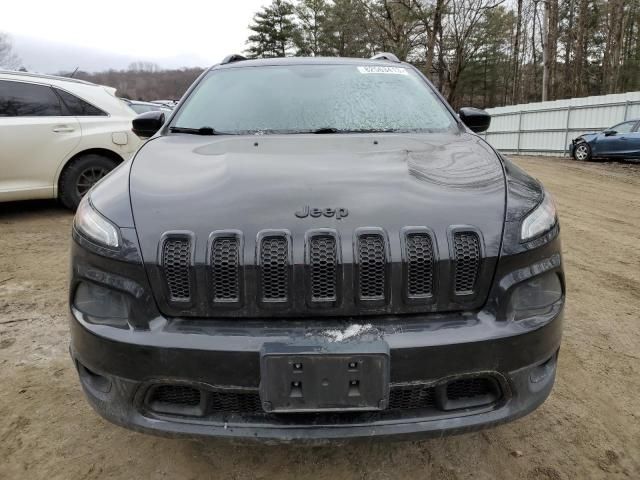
<point>325,130</point>
<point>347,130</point>
<point>196,131</point>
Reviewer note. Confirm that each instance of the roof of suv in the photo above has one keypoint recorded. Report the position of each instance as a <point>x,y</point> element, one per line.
<point>43,76</point>
<point>101,96</point>
<point>260,62</point>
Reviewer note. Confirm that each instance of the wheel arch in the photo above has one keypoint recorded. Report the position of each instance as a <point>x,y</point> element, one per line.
<point>96,151</point>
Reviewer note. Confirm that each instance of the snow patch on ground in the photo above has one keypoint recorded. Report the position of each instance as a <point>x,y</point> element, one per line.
<point>349,332</point>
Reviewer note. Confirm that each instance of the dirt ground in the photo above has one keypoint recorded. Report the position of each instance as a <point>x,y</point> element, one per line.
<point>588,428</point>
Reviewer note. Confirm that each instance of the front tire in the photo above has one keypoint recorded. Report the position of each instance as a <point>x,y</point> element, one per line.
<point>582,152</point>
<point>80,175</point>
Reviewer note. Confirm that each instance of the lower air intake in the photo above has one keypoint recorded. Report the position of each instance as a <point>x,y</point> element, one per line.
<point>457,394</point>
<point>176,395</point>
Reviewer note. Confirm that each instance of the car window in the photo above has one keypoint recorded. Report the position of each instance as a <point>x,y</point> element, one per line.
<point>19,99</point>
<point>77,106</point>
<point>625,127</point>
<point>298,98</point>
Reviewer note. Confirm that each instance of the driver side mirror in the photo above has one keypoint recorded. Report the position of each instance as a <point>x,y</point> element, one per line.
<point>147,124</point>
<point>609,133</point>
<point>474,118</point>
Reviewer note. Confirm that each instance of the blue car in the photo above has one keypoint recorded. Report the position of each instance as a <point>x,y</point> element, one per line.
<point>620,141</point>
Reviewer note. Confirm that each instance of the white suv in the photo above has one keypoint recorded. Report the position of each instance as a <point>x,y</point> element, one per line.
<point>59,136</point>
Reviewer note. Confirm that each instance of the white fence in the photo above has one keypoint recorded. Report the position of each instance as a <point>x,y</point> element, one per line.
<point>547,128</point>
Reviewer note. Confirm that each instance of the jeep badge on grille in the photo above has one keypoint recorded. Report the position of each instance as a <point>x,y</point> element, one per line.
<point>315,212</point>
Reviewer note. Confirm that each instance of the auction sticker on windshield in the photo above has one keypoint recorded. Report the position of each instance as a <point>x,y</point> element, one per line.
<point>380,69</point>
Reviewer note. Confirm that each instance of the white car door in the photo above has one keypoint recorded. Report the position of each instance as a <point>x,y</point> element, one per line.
<point>35,137</point>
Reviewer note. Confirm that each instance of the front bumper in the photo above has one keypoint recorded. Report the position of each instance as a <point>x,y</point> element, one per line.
<point>118,366</point>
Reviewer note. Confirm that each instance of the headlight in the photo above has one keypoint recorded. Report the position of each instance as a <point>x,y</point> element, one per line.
<point>94,226</point>
<point>541,220</point>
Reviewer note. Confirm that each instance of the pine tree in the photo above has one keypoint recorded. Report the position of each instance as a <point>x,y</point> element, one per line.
<point>274,31</point>
<point>350,29</point>
<point>310,38</point>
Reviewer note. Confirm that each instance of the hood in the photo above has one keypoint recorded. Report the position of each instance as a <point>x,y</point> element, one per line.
<point>587,137</point>
<point>299,183</point>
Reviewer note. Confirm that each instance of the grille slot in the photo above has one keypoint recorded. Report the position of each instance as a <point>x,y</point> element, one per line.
<point>467,256</point>
<point>225,263</point>
<point>179,395</point>
<point>372,266</point>
<point>411,397</point>
<point>323,263</point>
<point>176,262</point>
<point>274,271</point>
<point>231,402</point>
<point>420,263</point>
<point>469,388</point>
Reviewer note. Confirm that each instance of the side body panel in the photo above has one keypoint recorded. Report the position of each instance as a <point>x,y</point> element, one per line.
<point>33,149</point>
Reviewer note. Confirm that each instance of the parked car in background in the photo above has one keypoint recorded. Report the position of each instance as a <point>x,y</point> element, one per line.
<point>142,107</point>
<point>620,141</point>
<point>59,136</point>
<point>167,103</point>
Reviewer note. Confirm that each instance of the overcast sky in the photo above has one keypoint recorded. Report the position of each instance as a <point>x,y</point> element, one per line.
<point>51,36</point>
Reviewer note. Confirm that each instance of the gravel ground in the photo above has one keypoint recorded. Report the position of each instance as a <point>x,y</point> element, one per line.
<point>588,428</point>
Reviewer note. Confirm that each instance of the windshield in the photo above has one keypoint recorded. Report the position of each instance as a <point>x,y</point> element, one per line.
<point>307,98</point>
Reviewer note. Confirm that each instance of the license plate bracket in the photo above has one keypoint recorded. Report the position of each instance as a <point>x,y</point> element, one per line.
<point>312,378</point>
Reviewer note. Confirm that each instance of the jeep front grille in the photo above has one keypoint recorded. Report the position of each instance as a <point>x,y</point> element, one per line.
<point>373,279</point>
<point>372,266</point>
<point>176,262</point>
<point>467,261</point>
<point>225,266</point>
<point>323,263</point>
<point>274,268</point>
<point>419,265</point>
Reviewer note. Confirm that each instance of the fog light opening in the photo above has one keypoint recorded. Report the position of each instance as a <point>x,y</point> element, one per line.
<point>93,380</point>
<point>536,297</point>
<point>543,371</point>
<point>103,305</point>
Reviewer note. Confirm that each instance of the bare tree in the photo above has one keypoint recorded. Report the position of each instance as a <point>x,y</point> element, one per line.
<point>516,55</point>
<point>549,47</point>
<point>613,50</point>
<point>8,59</point>
<point>399,24</point>
<point>144,67</point>
<point>464,38</point>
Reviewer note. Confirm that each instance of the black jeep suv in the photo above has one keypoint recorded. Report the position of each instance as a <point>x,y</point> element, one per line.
<point>315,249</point>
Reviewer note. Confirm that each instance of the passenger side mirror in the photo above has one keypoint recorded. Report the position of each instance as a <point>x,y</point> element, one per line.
<point>474,118</point>
<point>147,124</point>
<point>609,133</point>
